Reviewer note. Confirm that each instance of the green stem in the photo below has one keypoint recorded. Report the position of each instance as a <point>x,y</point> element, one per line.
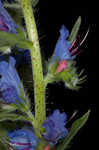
<point>31,119</point>
<point>39,88</point>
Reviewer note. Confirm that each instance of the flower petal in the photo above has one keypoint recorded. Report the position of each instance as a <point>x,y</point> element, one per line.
<point>55,127</point>
<point>10,83</point>
<point>23,139</point>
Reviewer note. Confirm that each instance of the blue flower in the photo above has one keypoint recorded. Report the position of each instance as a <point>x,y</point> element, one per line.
<point>23,139</point>
<point>9,82</point>
<point>65,50</point>
<point>6,22</point>
<point>8,25</point>
<point>62,47</point>
<point>55,127</point>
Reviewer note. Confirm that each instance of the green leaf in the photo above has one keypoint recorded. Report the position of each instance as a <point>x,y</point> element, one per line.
<point>75,30</point>
<point>76,126</point>
<point>24,96</point>
<point>12,5</point>
<point>12,116</point>
<point>22,106</point>
<point>10,40</point>
<point>6,107</point>
<point>21,32</point>
<point>8,111</point>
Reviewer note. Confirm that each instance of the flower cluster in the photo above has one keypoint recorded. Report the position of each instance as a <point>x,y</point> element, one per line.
<point>25,139</point>
<point>9,82</point>
<point>53,128</point>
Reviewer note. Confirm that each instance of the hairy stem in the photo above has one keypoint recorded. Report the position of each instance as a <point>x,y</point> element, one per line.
<point>39,88</point>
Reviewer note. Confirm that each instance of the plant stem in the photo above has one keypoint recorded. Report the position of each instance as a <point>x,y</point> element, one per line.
<point>31,119</point>
<point>39,88</point>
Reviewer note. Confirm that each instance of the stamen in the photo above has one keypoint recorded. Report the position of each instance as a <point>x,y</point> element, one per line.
<point>75,50</point>
<point>84,37</point>
<point>73,115</point>
<point>73,44</point>
<point>21,144</point>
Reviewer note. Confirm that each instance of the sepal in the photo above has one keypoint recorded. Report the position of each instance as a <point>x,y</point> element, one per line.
<point>4,116</point>
<point>26,105</point>
<point>69,75</point>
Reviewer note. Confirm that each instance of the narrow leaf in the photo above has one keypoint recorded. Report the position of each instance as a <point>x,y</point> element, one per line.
<point>75,30</point>
<point>21,32</point>
<point>77,125</point>
<point>6,107</point>
<point>24,96</point>
<point>10,40</point>
<point>13,117</point>
<point>12,5</point>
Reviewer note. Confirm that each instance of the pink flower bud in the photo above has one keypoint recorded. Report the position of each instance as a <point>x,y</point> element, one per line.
<point>47,147</point>
<point>62,65</point>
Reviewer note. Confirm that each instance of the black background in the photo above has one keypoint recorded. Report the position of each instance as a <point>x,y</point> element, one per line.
<point>51,15</point>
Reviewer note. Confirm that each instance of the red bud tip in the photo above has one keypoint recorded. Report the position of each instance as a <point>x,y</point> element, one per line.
<point>62,65</point>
